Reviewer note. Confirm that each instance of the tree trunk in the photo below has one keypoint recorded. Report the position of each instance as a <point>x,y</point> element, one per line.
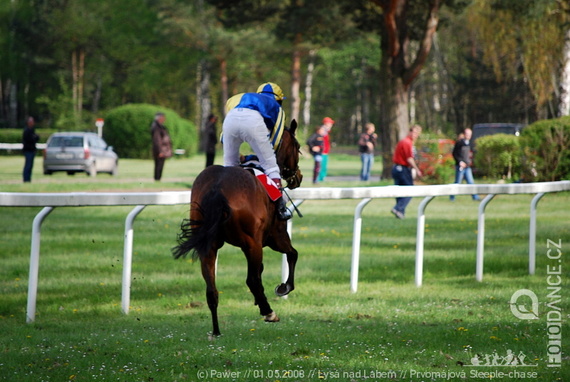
<point>296,82</point>
<point>224,84</point>
<point>564,107</point>
<point>81,82</point>
<point>77,74</point>
<point>308,91</point>
<point>13,108</point>
<point>397,73</point>
<point>395,119</point>
<point>97,94</point>
<point>204,99</point>
<point>74,79</point>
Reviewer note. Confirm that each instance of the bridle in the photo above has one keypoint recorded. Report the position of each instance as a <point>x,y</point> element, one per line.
<point>291,175</point>
<point>292,180</point>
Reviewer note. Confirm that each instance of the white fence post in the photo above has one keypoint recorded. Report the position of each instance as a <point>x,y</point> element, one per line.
<point>420,233</point>
<point>128,258</point>
<point>532,234</point>
<point>481,237</point>
<point>357,229</point>
<point>35,263</point>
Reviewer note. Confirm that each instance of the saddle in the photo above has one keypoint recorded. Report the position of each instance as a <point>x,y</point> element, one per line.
<point>251,163</point>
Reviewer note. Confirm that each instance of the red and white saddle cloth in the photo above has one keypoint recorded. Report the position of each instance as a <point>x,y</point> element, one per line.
<point>273,191</point>
<point>251,163</point>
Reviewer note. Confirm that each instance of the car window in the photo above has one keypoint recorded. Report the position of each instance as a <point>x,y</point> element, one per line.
<point>102,143</point>
<point>95,142</point>
<point>63,141</point>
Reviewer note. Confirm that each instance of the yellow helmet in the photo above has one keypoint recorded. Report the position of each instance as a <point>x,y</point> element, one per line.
<point>271,88</point>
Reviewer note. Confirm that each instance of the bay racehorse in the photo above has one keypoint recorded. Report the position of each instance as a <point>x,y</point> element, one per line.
<point>230,205</point>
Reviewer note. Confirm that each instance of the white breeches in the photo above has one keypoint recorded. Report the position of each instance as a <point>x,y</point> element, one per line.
<point>246,125</point>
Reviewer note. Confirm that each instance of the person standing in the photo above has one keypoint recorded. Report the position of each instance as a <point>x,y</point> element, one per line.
<point>161,144</point>
<point>327,124</point>
<point>258,119</point>
<point>404,162</point>
<point>211,139</point>
<point>463,155</point>
<point>29,140</point>
<point>366,145</point>
<point>316,145</point>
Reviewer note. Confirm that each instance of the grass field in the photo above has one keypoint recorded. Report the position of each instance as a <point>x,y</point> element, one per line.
<point>388,330</point>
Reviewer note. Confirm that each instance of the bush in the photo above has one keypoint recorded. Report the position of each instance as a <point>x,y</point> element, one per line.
<point>127,129</point>
<point>546,150</point>
<point>436,161</point>
<point>498,156</point>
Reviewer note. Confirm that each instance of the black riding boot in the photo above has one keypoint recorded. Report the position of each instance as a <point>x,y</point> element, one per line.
<point>283,213</point>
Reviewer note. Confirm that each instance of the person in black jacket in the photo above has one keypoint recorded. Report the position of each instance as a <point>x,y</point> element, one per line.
<point>29,140</point>
<point>366,145</point>
<point>463,155</point>
<point>161,144</point>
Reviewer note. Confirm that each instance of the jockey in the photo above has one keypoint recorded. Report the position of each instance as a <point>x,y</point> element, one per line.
<point>258,119</point>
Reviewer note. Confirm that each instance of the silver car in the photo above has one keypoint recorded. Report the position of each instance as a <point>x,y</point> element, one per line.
<point>79,152</point>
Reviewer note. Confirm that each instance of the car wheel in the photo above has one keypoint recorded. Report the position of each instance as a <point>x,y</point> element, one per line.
<point>115,170</point>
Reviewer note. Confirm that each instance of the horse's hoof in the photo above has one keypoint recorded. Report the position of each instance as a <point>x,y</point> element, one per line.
<point>283,290</point>
<point>271,317</point>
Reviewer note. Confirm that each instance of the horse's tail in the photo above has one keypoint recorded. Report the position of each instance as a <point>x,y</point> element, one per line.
<point>198,236</point>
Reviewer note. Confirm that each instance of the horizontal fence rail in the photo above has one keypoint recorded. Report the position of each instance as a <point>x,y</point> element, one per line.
<point>19,146</point>
<point>140,200</point>
<point>85,199</point>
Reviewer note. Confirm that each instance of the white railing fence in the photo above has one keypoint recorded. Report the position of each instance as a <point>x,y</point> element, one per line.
<point>140,200</point>
<point>51,201</point>
<point>366,194</point>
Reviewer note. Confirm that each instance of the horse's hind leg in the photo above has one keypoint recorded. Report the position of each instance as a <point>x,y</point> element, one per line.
<point>254,282</point>
<point>209,274</point>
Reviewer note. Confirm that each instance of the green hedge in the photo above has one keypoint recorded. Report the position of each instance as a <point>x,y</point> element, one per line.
<point>15,135</point>
<point>546,150</point>
<point>498,156</point>
<point>127,129</point>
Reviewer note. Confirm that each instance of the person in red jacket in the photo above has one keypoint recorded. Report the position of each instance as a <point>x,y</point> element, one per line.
<point>316,144</point>
<point>404,162</point>
<point>327,124</point>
